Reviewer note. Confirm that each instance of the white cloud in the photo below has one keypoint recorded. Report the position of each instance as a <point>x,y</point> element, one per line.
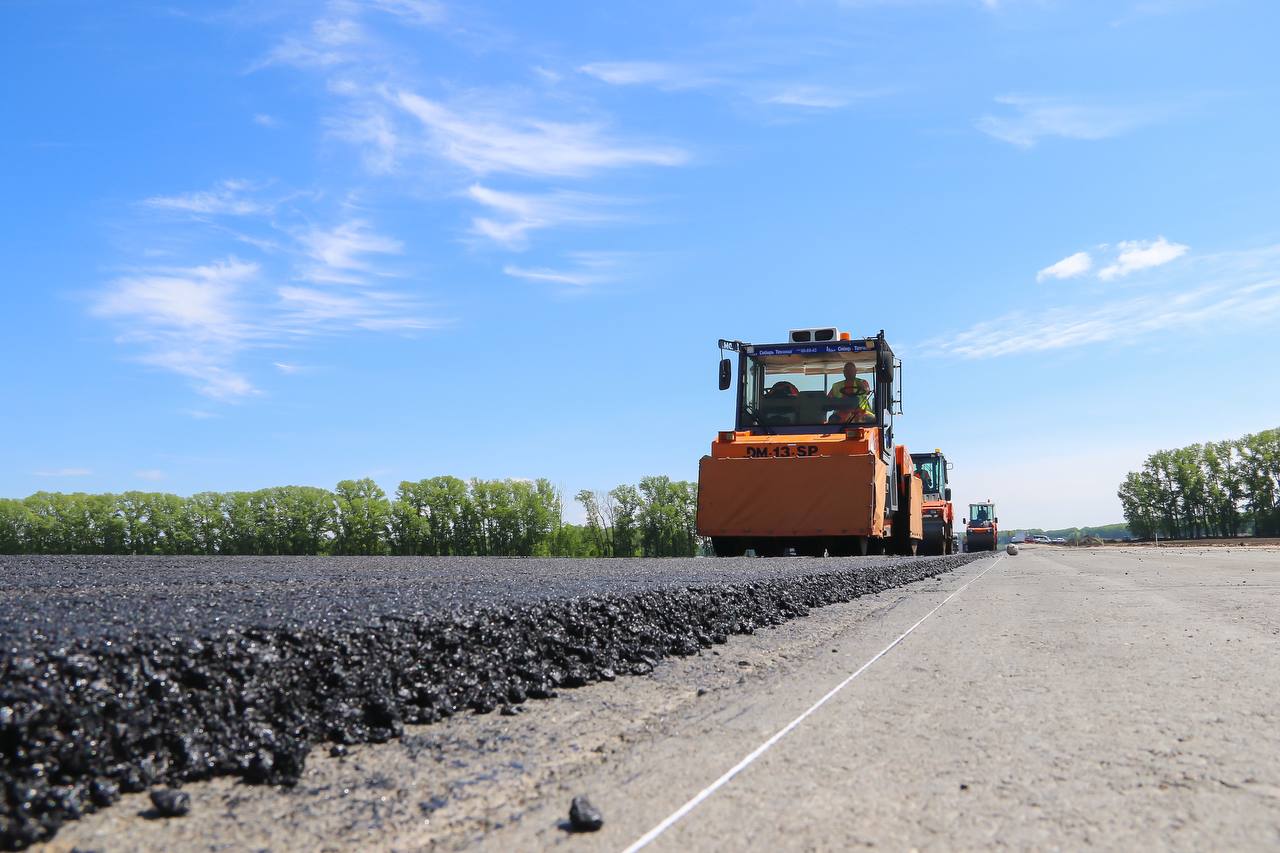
<point>1140,255</point>
<point>154,475</point>
<point>186,304</point>
<point>813,97</point>
<point>1036,118</point>
<point>339,35</point>
<point>64,472</point>
<point>266,120</point>
<point>520,213</point>
<point>206,369</point>
<point>330,41</point>
<point>285,367</point>
<point>376,134</point>
<point>488,142</point>
<point>340,252</point>
<point>588,269</point>
<point>1071,266</point>
<point>1241,288</point>
<point>739,79</point>
<point>421,12</point>
<point>310,311</point>
<point>228,198</point>
<point>198,321</point>
<point>664,75</point>
<point>544,274</point>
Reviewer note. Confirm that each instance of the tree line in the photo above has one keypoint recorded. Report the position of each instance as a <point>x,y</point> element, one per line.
<point>438,516</point>
<point>1221,488</point>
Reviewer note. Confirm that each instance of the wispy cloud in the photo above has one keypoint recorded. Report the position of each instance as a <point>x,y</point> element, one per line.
<point>185,304</point>
<point>743,80</point>
<point>1071,266</point>
<point>265,120</point>
<point>1137,255</point>
<point>820,97</point>
<point>664,75</point>
<point>330,40</point>
<point>199,321</point>
<point>340,33</point>
<point>487,142</point>
<point>153,475</point>
<point>227,198</point>
<point>341,253</point>
<point>63,472</point>
<point>1235,288</point>
<point>312,311</point>
<point>367,126</point>
<point>419,12</point>
<point>517,214</point>
<point>1032,119</point>
<point>585,269</point>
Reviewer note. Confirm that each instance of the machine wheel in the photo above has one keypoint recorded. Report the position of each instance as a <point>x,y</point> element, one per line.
<point>933,546</point>
<point>728,546</point>
<point>875,546</point>
<point>900,541</point>
<point>935,539</point>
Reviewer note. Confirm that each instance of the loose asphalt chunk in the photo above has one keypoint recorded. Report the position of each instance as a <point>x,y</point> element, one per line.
<point>170,803</point>
<point>584,817</point>
<point>119,674</point>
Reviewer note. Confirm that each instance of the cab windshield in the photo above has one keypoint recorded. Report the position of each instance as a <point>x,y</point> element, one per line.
<point>809,390</point>
<point>979,513</point>
<point>931,473</point>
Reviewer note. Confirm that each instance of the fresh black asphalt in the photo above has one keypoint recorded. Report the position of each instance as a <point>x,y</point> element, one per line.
<point>121,673</point>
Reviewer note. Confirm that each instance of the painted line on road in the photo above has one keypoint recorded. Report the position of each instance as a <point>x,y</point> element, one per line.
<point>675,817</point>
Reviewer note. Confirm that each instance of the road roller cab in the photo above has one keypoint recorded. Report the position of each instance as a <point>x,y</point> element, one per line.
<point>939,515</point>
<point>810,464</point>
<point>982,528</point>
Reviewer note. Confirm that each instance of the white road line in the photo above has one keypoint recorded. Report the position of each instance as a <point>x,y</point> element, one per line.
<point>760,750</point>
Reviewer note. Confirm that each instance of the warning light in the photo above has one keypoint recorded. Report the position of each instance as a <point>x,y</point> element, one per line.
<point>844,336</point>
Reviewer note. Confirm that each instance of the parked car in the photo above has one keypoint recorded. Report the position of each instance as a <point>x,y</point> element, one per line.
<point>1027,538</point>
<point>1043,540</point>
<point>1058,540</point>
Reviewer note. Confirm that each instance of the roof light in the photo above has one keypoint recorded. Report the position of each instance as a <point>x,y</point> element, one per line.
<point>844,336</point>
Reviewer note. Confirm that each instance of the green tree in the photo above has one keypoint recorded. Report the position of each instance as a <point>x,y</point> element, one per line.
<point>600,508</point>
<point>667,524</point>
<point>307,519</point>
<point>628,506</point>
<point>363,518</point>
<point>14,527</point>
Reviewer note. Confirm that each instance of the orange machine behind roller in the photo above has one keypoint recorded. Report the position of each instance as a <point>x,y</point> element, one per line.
<point>939,515</point>
<point>811,464</point>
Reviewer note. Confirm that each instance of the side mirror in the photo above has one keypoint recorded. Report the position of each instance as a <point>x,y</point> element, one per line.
<point>948,494</point>
<point>726,374</point>
<point>964,521</point>
<point>996,520</point>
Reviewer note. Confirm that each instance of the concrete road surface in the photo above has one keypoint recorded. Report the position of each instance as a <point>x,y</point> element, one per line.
<point>1110,698</point>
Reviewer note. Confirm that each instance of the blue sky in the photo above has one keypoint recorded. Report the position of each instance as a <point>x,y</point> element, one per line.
<point>288,243</point>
